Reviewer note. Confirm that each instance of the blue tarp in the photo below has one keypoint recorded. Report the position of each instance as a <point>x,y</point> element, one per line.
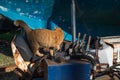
<point>93,17</point>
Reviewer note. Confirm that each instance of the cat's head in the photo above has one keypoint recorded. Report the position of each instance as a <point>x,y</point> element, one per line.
<point>57,29</point>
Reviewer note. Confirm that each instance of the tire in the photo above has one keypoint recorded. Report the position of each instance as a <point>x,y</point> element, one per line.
<point>87,59</point>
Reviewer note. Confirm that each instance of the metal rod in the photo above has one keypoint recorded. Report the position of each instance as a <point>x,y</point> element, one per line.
<point>88,44</point>
<point>73,21</point>
<point>83,40</point>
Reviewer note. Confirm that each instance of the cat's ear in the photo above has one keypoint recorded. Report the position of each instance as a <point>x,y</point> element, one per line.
<point>55,27</point>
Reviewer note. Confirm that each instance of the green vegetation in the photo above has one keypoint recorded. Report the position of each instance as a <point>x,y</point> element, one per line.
<point>6,60</point>
<point>7,36</point>
<point>6,57</point>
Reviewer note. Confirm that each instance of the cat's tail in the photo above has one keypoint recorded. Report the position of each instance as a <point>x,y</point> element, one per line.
<point>22,24</point>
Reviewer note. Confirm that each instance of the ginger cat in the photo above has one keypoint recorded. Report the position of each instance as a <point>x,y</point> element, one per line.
<point>42,38</point>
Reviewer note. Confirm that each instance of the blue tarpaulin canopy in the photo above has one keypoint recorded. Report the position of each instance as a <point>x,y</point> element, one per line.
<point>93,17</point>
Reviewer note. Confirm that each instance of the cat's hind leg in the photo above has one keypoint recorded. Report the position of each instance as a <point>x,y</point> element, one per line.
<point>51,52</point>
<point>36,50</point>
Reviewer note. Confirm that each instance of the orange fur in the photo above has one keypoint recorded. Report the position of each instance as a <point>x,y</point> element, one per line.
<point>42,38</point>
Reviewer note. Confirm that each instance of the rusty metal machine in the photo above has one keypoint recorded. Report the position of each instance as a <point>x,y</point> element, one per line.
<point>78,60</point>
<point>65,65</point>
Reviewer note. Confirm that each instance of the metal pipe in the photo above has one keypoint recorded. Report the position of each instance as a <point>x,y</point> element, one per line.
<point>73,21</point>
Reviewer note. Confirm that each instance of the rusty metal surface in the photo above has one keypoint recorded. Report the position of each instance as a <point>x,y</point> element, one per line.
<point>113,40</point>
<point>7,68</point>
<point>19,61</point>
<point>23,65</point>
